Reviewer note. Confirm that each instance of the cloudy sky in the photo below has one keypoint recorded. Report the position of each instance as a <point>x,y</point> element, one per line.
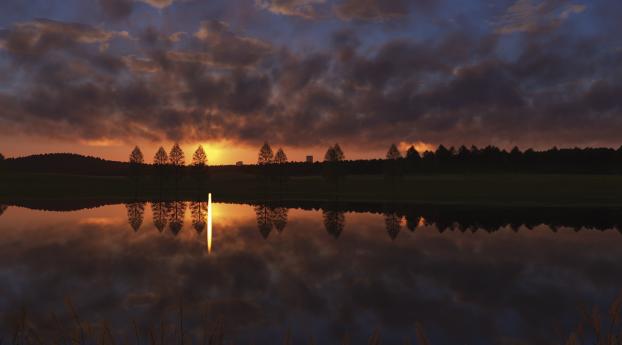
<point>99,76</point>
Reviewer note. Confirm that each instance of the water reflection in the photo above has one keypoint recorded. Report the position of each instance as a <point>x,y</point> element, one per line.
<point>135,214</point>
<point>2,209</point>
<point>393,224</point>
<point>279,218</point>
<point>199,215</point>
<point>334,222</point>
<point>160,218</point>
<point>473,287</point>
<point>176,211</point>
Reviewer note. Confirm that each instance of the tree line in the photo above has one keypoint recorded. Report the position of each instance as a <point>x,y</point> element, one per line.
<point>464,159</point>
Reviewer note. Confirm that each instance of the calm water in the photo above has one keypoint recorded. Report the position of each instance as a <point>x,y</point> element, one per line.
<point>317,273</point>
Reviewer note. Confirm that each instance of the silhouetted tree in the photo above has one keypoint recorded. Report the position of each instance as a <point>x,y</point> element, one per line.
<point>393,224</point>
<point>412,221</point>
<point>393,169</point>
<point>279,218</point>
<point>176,212</point>
<point>177,160</point>
<point>135,214</point>
<point>264,162</point>
<point>199,164</point>
<point>136,163</point>
<point>2,209</point>
<point>160,215</point>
<point>2,163</point>
<point>264,220</point>
<point>199,215</point>
<point>334,222</point>
<point>265,154</point>
<point>280,160</point>
<point>160,161</point>
<point>333,170</point>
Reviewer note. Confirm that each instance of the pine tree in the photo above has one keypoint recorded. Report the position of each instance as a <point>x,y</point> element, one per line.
<point>393,153</point>
<point>160,161</point>
<point>177,159</point>
<point>199,158</point>
<point>265,154</point>
<point>280,157</point>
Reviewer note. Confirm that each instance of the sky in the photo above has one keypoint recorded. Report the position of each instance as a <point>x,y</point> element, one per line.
<point>98,77</point>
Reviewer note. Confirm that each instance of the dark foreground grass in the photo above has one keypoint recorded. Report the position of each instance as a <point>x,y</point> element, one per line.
<point>592,328</point>
<point>477,189</point>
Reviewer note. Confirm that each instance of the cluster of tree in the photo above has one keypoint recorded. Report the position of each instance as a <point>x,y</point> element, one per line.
<point>171,164</point>
<point>335,166</point>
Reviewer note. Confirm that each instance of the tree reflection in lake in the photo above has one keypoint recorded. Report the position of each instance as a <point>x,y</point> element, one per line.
<point>477,288</point>
<point>393,224</point>
<point>279,218</point>
<point>264,220</point>
<point>160,217</point>
<point>2,209</point>
<point>176,211</point>
<point>334,222</point>
<point>135,214</point>
<point>198,209</point>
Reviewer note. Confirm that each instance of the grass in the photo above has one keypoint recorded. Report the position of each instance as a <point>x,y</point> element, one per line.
<point>593,328</point>
<point>463,189</point>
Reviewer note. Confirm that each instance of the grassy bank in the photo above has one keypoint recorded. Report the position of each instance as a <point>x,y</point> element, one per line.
<point>478,189</point>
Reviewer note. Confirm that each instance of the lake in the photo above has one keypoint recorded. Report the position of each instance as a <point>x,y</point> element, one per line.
<point>283,272</point>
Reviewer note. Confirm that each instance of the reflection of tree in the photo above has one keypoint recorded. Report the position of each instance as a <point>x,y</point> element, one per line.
<point>176,211</point>
<point>334,222</point>
<point>135,214</point>
<point>412,221</point>
<point>2,209</point>
<point>264,220</point>
<point>199,215</point>
<point>279,218</point>
<point>160,218</point>
<point>393,223</point>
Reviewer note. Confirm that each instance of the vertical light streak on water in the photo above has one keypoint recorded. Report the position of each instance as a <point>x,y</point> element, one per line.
<point>209,223</point>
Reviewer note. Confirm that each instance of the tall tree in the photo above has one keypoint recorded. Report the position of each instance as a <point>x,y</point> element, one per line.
<point>136,162</point>
<point>160,161</point>
<point>412,159</point>
<point>178,160</point>
<point>393,153</point>
<point>333,170</point>
<point>265,154</point>
<point>280,159</point>
<point>199,164</point>
<point>393,163</point>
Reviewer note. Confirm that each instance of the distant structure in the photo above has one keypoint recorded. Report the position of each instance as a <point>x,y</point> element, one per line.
<point>309,159</point>
<point>239,163</point>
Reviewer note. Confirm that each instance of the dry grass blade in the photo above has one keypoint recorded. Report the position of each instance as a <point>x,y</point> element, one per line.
<point>375,338</point>
<point>288,337</point>
<point>422,339</point>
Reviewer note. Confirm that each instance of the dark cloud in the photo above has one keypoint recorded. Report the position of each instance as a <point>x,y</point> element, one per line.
<point>216,80</point>
<point>379,10</point>
<point>117,9</point>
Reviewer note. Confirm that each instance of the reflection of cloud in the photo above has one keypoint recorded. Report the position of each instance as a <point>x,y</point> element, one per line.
<point>527,16</point>
<point>301,8</point>
<point>462,285</point>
